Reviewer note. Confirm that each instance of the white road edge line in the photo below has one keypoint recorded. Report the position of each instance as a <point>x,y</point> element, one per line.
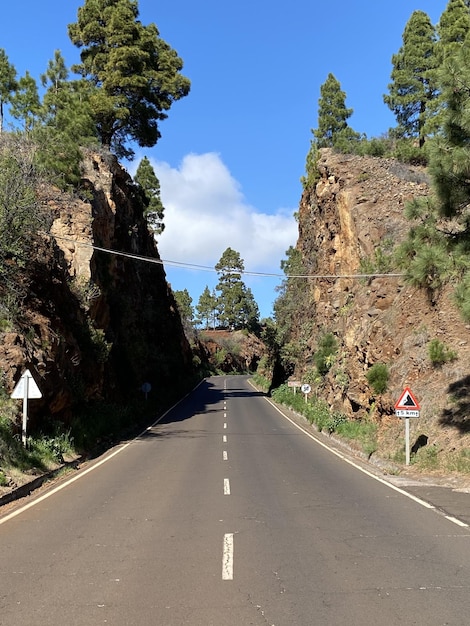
<point>226,487</point>
<point>454,520</point>
<point>83,473</point>
<point>365,471</point>
<point>227,557</point>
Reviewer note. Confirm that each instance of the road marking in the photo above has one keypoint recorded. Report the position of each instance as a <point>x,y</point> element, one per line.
<point>95,466</point>
<point>227,557</point>
<point>365,471</point>
<point>224,439</point>
<point>225,425</point>
<point>225,455</point>
<point>454,520</point>
<point>226,487</point>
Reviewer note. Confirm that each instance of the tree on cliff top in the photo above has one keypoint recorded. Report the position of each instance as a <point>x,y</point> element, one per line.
<point>333,115</point>
<point>146,178</point>
<point>135,73</point>
<point>236,304</point>
<point>412,88</point>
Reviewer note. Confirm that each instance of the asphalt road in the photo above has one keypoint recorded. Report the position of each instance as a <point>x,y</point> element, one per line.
<point>225,513</point>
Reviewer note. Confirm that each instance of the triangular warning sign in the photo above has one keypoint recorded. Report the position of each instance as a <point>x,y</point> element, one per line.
<point>407,401</point>
<point>26,386</point>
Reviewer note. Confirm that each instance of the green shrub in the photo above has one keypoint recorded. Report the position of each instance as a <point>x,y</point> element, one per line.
<point>317,412</point>
<point>334,421</point>
<point>378,377</point>
<point>364,431</point>
<point>439,353</point>
<point>406,152</point>
<point>426,458</point>
<point>324,355</point>
<point>261,381</point>
<point>459,461</point>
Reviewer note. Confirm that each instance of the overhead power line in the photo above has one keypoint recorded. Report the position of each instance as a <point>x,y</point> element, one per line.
<point>206,268</point>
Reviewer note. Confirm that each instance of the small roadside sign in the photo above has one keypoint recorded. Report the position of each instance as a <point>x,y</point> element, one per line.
<point>26,385</point>
<point>407,406</point>
<point>293,383</point>
<point>306,389</point>
<point>26,389</point>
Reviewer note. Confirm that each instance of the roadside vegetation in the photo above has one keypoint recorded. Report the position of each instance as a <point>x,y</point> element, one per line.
<point>361,433</point>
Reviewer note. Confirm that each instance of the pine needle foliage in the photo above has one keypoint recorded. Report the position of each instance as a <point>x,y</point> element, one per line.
<point>135,74</point>
<point>332,115</point>
<point>149,184</point>
<point>413,87</point>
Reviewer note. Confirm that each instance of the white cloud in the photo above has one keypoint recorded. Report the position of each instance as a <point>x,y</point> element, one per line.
<point>206,212</point>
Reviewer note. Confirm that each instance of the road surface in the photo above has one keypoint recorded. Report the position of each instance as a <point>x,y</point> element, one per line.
<point>225,513</point>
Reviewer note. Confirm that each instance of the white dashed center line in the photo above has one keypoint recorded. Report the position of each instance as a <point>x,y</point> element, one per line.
<point>227,558</point>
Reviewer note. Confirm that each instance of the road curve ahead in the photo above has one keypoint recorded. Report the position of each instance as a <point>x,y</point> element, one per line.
<point>224,513</point>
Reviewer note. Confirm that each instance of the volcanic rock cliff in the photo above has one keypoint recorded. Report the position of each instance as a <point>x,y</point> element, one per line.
<point>96,325</point>
<point>354,213</point>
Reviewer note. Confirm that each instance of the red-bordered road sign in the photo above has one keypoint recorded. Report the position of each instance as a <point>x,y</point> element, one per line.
<point>407,401</point>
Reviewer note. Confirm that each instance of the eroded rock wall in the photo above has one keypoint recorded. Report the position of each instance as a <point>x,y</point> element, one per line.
<point>96,325</point>
<point>356,212</point>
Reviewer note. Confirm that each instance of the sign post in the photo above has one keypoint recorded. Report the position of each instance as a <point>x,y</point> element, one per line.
<point>26,388</point>
<point>294,384</point>
<point>407,406</point>
<point>146,388</point>
<point>306,389</point>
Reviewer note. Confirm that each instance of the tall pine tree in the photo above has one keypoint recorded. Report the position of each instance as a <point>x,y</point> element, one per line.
<point>412,88</point>
<point>146,178</point>
<point>450,156</point>
<point>332,114</point>
<point>25,103</point>
<point>237,307</point>
<point>453,27</point>
<point>8,84</point>
<point>135,73</point>
<point>207,308</point>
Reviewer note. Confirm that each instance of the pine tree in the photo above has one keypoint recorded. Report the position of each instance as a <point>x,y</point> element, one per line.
<point>8,83</point>
<point>67,123</point>
<point>453,27</point>
<point>146,178</point>
<point>237,308</point>
<point>450,156</point>
<point>136,74</point>
<point>332,114</point>
<point>25,103</point>
<point>412,88</point>
<point>206,308</point>
<point>184,303</point>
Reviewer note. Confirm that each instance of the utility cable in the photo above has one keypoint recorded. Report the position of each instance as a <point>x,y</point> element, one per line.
<point>206,268</point>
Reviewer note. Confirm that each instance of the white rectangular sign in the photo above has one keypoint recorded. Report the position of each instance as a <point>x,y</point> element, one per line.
<point>406,413</point>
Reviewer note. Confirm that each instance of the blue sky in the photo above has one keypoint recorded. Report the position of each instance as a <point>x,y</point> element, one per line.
<point>233,151</point>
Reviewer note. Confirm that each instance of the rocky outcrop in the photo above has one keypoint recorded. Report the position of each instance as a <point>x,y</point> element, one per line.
<point>97,322</point>
<point>356,214</point>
